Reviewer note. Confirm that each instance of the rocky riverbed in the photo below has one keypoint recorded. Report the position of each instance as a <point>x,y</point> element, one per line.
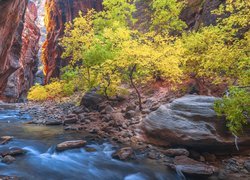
<point>183,134</point>
<point>32,151</point>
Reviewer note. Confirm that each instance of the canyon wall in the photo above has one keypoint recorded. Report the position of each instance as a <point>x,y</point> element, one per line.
<point>199,12</point>
<point>58,13</point>
<point>18,48</point>
<point>11,26</point>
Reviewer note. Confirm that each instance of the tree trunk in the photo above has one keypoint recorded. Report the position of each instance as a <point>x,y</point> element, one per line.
<point>133,69</point>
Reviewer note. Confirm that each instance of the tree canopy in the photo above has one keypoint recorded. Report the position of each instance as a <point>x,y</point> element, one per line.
<point>106,51</point>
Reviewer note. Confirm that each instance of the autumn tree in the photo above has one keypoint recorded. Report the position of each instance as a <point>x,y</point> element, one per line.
<point>221,53</point>
<point>165,17</point>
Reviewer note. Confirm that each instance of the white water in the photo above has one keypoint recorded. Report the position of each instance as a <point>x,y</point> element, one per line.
<point>42,161</point>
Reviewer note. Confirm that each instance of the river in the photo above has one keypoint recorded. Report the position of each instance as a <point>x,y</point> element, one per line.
<point>42,162</point>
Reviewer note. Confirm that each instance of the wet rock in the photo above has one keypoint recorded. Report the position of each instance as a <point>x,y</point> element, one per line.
<point>176,152</point>
<point>2,177</point>
<point>53,123</point>
<point>92,100</point>
<point>13,152</point>
<point>5,139</point>
<point>8,159</point>
<point>124,154</point>
<point>70,145</point>
<point>247,165</point>
<point>191,121</point>
<point>192,167</point>
<point>90,149</point>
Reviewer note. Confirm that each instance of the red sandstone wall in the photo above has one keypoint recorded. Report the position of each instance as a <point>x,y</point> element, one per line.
<point>59,12</point>
<point>11,26</point>
<point>18,48</point>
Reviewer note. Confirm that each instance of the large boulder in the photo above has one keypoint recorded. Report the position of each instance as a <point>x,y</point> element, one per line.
<point>92,100</point>
<point>191,122</point>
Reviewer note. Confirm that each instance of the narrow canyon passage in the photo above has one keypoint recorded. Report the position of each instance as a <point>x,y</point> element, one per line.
<point>125,89</point>
<point>40,22</point>
<point>30,51</point>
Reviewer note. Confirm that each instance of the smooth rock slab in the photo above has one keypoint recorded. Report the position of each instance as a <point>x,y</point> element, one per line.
<point>191,122</point>
<point>70,145</point>
<point>192,167</point>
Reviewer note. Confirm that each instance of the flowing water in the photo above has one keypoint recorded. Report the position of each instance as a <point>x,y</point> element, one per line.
<point>42,162</point>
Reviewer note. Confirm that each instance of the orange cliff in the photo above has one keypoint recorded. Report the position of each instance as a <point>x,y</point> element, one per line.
<point>57,14</point>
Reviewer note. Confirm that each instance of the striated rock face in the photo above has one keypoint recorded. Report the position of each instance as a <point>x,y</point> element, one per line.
<point>58,13</point>
<point>191,122</point>
<point>11,26</point>
<point>22,79</point>
<point>199,12</point>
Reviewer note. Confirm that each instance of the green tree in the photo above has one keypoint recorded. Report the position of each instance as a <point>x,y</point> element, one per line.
<point>115,11</point>
<point>165,17</point>
<point>236,107</point>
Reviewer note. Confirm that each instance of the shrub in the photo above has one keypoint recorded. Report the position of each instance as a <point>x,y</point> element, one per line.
<point>236,108</point>
<point>38,93</point>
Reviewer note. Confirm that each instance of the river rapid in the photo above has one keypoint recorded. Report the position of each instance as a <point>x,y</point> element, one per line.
<point>42,162</point>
